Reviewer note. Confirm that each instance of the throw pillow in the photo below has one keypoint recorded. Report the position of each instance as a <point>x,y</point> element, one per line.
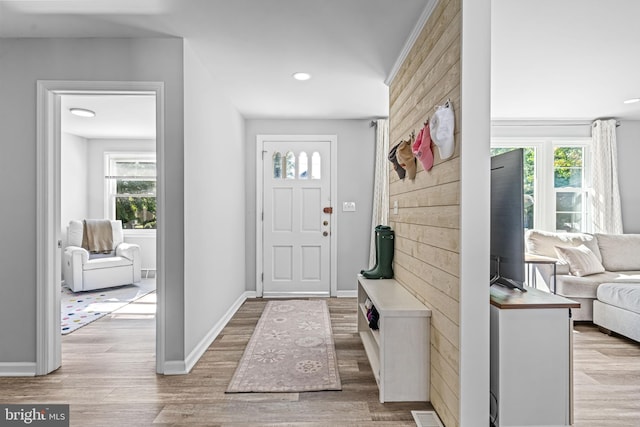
<point>582,261</point>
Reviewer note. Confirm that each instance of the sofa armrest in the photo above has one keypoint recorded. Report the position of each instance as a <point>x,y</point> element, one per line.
<point>73,259</point>
<point>131,251</point>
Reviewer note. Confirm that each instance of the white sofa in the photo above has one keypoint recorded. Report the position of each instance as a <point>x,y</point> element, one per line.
<point>83,271</point>
<point>618,263</point>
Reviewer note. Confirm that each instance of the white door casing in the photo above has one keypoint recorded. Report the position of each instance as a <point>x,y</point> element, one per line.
<point>48,337</point>
<point>296,229</point>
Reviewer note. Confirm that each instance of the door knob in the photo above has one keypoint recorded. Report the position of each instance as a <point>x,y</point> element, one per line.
<point>325,223</point>
<point>325,233</point>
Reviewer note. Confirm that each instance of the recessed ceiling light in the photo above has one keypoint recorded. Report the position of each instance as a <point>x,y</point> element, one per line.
<point>632,100</point>
<point>82,112</point>
<point>301,76</point>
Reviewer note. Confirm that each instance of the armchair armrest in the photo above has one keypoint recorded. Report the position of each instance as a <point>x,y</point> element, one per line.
<point>131,251</point>
<point>72,260</point>
<point>128,250</point>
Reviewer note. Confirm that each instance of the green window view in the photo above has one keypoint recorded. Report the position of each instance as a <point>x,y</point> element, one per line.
<point>569,187</point>
<point>135,193</point>
<point>568,178</point>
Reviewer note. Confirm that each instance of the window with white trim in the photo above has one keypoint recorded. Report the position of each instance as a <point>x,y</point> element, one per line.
<point>557,180</point>
<point>131,189</point>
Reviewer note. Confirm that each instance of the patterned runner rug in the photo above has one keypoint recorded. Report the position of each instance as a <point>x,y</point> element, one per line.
<point>78,309</point>
<point>291,350</point>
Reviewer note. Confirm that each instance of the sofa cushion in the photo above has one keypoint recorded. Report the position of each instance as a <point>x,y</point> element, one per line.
<point>582,262</point>
<point>544,242</point>
<point>623,295</point>
<point>620,251</point>
<point>586,287</point>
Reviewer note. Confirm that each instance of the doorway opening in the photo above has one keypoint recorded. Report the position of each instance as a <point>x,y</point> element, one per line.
<point>54,100</point>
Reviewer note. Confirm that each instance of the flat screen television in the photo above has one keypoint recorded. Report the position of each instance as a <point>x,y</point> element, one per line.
<point>507,220</point>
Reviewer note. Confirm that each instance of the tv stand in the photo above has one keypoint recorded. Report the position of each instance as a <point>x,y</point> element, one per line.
<point>531,366</point>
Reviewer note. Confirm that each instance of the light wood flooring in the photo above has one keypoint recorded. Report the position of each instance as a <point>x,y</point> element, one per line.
<point>606,378</point>
<point>108,378</point>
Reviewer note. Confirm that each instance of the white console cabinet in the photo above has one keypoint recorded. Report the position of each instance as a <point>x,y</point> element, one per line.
<point>399,350</point>
<point>531,358</point>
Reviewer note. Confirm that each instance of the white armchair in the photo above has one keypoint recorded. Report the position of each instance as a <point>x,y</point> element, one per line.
<point>83,271</point>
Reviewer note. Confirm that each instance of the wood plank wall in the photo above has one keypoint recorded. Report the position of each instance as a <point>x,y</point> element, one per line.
<point>427,225</point>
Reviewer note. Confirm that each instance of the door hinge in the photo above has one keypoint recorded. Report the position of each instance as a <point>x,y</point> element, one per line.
<point>262,277</point>
<point>263,216</point>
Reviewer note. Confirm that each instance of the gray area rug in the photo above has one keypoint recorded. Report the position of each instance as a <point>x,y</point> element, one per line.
<point>291,350</point>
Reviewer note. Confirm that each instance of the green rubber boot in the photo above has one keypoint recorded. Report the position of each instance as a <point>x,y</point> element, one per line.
<point>385,246</point>
<point>375,240</point>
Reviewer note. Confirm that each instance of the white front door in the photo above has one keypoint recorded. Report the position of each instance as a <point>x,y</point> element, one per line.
<point>296,224</point>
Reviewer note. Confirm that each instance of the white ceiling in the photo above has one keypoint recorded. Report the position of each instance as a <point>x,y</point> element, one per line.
<point>565,60</point>
<point>117,116</point>
<point>551,60</point>
<point>252,47</point>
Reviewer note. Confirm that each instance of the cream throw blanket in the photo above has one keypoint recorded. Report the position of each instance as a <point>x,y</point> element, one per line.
<point>97,236</point>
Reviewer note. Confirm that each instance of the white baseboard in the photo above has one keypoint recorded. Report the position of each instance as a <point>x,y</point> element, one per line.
<point>17,369</point>
<point>347,294</point>
<point>179,367</point>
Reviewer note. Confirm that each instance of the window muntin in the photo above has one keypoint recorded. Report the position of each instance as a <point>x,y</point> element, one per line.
<point>131,183</point>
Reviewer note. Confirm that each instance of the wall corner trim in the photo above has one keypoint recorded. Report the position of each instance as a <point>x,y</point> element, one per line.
<point>413,36</point>
<point>183,367</point>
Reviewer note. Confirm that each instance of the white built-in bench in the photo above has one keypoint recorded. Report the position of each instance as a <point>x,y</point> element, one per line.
<point>399,350</point>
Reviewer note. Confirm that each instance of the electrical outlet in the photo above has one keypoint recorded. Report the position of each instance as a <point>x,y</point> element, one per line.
<point>349,207</point>
<point>395,207</point>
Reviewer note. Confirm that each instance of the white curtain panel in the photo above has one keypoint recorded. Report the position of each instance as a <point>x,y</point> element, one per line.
<point>605,200</point>
<point>380,212</point>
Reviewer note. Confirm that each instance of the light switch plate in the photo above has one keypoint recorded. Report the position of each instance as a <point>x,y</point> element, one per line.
<point>349,207</point>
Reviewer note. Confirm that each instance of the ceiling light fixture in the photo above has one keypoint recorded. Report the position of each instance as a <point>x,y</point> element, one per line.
<point>82,112</point>
<point>301,76</point>
<point>632,100</point>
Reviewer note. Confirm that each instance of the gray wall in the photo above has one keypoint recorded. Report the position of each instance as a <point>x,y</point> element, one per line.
<point>356,153</point>
<point>22,63</point>
<point>214,203</point>
<point>74,202</point>
<point>628,138</point>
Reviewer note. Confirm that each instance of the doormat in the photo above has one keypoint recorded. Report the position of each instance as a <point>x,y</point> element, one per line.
<point>291,350</point>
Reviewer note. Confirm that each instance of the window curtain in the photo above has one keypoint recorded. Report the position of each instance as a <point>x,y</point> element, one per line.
<point>605,200</point>
<point>380,211</point>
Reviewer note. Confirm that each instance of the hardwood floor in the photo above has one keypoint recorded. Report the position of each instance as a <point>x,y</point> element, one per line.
<point>606,378</point>
<point>108,378</point>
